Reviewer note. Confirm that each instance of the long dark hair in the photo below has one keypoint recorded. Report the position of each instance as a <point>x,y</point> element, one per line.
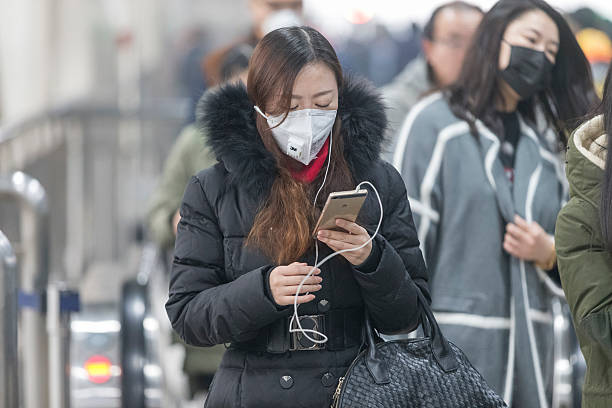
<point>568,98</point>
<point>283,226</point>
<point>605,206</point>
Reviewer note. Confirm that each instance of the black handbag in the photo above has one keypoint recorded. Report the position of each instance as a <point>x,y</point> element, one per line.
<point>428,372</point>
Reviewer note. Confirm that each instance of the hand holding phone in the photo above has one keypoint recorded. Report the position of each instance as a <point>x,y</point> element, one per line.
<point>354,238</point>
<point>340,205</point>
<point>337,228</point>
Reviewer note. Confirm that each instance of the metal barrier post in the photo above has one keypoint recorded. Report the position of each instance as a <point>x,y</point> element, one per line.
<point>60,302</point>
<point>563,390</point>
<point>9,376</point>
<point>33,281</point>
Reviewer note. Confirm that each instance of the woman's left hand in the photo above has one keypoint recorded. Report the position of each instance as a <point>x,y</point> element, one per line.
<point>355,237</point>
<point>528,241</point>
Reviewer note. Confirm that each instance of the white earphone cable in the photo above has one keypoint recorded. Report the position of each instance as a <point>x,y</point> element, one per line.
<point>295,318</point>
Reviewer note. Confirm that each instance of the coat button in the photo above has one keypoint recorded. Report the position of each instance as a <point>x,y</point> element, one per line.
<point>286,382</point>
<point>328,380</point>
<point>323,305</point>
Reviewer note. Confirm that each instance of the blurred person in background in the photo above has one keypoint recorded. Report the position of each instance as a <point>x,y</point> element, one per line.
<point>188,156</point>
<point>446,37</point>
<point>372,51</point>
<point>266,16</point>
<point>245,240</point>
<point>597,47</point>
<point>486,186</point>
<point>586,17</point>
<point>191,79</point>
<point>584,248</point>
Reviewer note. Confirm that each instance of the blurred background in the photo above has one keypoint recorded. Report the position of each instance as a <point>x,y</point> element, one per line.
<point>93,94</point>
<point>56,51</point>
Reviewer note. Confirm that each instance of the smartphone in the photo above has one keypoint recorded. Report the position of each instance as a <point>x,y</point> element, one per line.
<point>341,204</point>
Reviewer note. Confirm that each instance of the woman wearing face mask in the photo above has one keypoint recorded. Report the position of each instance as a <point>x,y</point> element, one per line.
<point>480,161</point>
<point>245,242</point>
<point>584,246</point>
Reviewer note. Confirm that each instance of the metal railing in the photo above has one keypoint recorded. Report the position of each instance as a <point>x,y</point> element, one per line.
<point>98,163</point>
<point>88,156</point>
<point>565,387</point>
<point>33,280</point>
<point>40,306</point>
<point>9,378</point>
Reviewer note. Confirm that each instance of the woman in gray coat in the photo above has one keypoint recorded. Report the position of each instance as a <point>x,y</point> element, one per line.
<point>481,165</point>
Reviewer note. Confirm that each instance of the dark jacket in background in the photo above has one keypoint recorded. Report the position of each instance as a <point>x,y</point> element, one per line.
<point>585,265</point>
<point>218,286</point>
<point>211,64</point>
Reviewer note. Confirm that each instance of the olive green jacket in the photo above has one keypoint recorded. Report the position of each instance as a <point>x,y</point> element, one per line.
<point>584,262</point>
<point>187,157</point>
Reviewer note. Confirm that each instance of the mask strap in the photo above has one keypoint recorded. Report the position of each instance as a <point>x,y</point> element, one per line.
<point>260,112</point>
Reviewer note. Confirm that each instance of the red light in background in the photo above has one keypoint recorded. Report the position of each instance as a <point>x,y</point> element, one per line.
<point>99,369</point>
<point>359,16</point>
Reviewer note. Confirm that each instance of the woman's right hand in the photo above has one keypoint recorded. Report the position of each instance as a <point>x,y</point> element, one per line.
<point>284,282</point>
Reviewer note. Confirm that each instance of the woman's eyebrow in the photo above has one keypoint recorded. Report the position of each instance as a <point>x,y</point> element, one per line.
<point>315,95</point>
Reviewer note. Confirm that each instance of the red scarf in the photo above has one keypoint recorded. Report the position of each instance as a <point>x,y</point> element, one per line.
<point>308,173</point>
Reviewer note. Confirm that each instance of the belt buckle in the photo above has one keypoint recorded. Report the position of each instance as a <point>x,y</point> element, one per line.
<point>299,342</point>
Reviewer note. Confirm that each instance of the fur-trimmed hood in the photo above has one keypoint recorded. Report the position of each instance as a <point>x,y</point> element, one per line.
<point>227,117</point>
<point>591,140</point>
<point>586,160</point>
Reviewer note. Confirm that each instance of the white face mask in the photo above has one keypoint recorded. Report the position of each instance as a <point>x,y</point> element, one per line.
<point>303,133</point>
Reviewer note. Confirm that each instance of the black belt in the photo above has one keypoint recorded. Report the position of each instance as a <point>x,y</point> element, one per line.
<point>342,327</point>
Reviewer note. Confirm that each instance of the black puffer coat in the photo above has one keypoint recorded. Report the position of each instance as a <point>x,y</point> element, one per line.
<point>218,291</point>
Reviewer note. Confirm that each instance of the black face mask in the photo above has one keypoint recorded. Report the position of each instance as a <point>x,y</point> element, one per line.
<point>528,72</point>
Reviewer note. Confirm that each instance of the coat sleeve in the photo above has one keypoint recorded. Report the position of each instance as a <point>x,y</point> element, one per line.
<point>399,97</point>
<point>585,267</point>
<point>389,291</point>
<point>203,306</point>
<point>423,182</point>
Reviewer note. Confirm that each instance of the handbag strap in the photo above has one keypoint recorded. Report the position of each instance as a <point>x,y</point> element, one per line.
<point>443,354</point>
